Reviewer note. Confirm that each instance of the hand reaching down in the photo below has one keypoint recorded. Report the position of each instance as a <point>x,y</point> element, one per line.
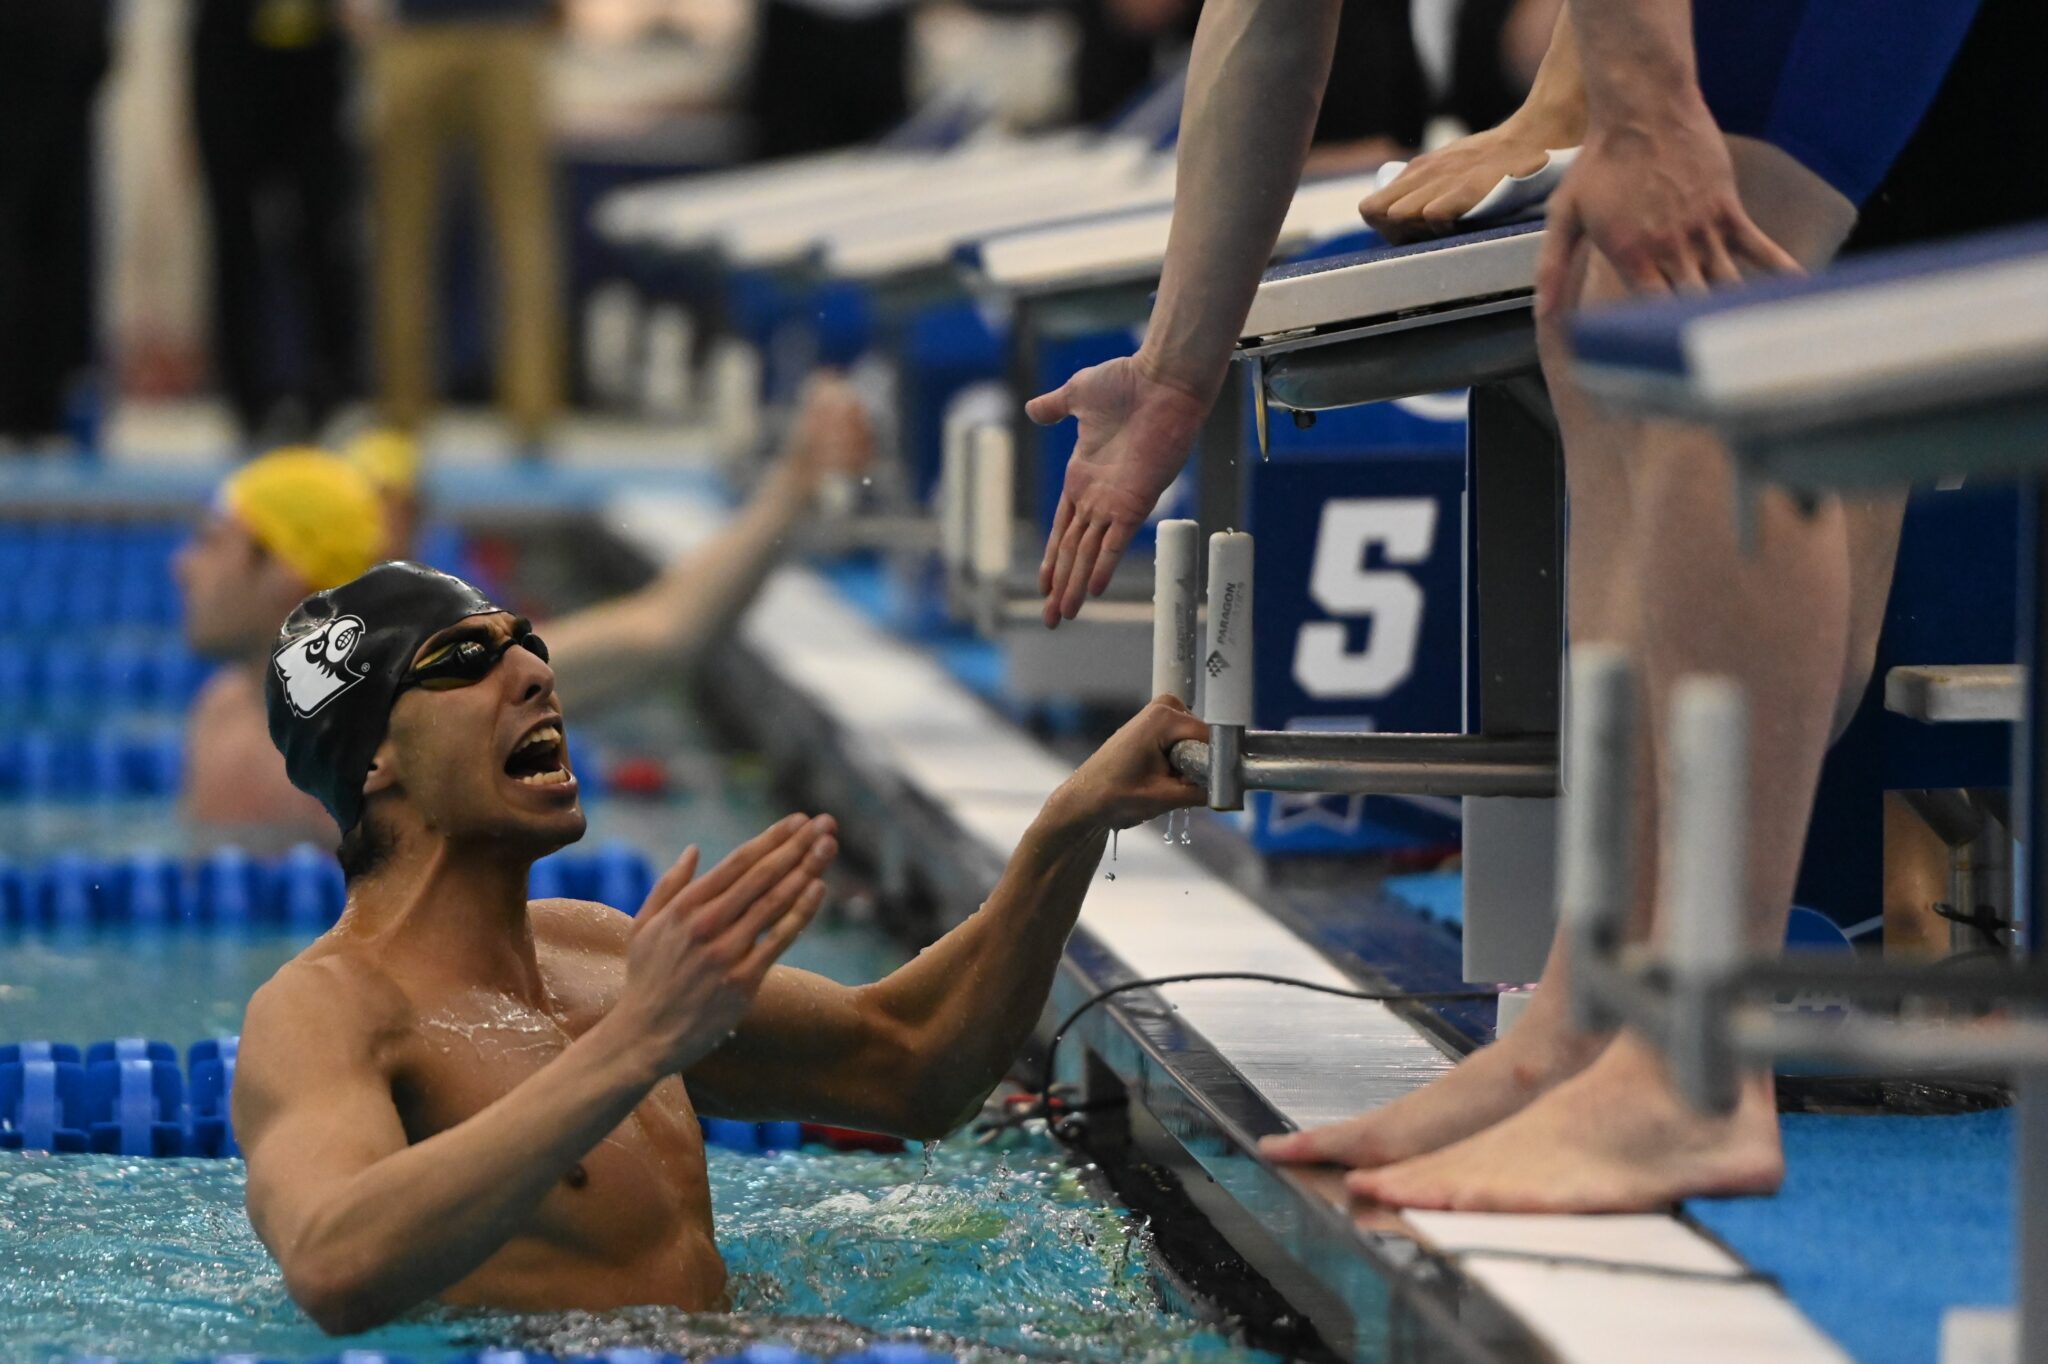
<point>1136,434</point>
<point>1658,200</point>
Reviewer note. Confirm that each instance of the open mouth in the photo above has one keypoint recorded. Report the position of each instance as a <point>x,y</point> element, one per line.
<point>541,759</point>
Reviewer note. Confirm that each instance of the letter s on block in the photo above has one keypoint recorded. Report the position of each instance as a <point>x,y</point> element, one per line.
<point>1342,585</point>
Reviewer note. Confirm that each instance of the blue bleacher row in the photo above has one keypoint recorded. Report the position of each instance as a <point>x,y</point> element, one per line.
<point>301,888</point>
<point>56,573</point>
<point>886,1352</point>
<point>128,1097</point>
<point>72,675</point>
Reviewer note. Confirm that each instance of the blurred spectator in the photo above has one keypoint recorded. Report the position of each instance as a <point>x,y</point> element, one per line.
<point>269,86</point>
<point>828,73</point>
<point>1377,100</point>
<point>1125,46</point>
<point>444,72</point>
<point>53,54</point>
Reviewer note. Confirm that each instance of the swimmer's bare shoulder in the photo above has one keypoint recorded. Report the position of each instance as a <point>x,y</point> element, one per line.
<point>313,1100</point>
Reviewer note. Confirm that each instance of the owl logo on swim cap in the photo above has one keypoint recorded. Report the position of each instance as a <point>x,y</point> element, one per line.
<point>315,667</point>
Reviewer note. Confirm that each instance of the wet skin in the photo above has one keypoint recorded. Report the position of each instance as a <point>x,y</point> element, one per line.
<point>631,1222</point>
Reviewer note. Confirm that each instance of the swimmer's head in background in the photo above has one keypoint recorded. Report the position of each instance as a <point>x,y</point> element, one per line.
<point>340,662</point>
<point>316,512</point>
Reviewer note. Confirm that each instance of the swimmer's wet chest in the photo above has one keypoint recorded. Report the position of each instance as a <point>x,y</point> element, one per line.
<point>477,1045</point>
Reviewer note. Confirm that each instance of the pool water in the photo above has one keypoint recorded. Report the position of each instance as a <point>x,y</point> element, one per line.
<point>182,985</point>
<point>992,1257</point>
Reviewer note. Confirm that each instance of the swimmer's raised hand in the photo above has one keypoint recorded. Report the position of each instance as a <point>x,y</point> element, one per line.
<point>1136,432</point>
<point>701,945</point>
<point>1130,779</point>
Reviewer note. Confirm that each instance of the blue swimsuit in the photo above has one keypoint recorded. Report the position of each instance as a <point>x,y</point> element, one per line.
<point>1839,85</point>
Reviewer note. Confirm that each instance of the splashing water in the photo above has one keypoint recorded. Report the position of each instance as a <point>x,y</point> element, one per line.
<point>155,1260</point>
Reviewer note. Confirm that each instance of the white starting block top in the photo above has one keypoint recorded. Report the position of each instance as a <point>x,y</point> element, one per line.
<point>1493,266</point>
<point>952,195</point>
<point>894,239</point>
<point>1916,331</point>
<point>1115,248</point>
<point>673,211</point>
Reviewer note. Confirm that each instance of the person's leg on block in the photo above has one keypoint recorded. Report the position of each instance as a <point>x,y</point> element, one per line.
<point>1543,1048</point>
<point>518,179</point>
<point>1617,1136</point>
<point>410,92</point>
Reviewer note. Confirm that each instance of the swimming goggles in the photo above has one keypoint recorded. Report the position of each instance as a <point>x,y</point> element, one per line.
<point>467,662</point>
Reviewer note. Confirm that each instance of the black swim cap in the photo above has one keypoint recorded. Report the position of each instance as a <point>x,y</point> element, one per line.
<point>337,667</point>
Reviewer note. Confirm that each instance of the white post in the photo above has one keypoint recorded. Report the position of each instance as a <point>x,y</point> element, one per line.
<point>1705,830</point>
<point>1227,655</point>
<point>1595,879</point>
<point>1173,609</point>
<point>955,483</point>
<point>991,518</point>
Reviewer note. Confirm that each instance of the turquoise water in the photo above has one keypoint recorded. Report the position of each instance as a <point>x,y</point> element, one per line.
<point>181,985</point>
<point>993,1257</point>
<point>996,1256</point>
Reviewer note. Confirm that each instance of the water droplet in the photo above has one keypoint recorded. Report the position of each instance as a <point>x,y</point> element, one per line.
<point>1109,876</point>
<point>1112,843</point>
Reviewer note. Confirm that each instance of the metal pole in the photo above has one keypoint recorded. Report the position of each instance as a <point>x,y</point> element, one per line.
<point>2030,1138</point>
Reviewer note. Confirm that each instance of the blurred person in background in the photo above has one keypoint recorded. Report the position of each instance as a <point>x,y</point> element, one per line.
<point>270,84</point>
<point>828,73</point>
<point>298,521</point>
<point>53,56</point>
<point>468,73</point>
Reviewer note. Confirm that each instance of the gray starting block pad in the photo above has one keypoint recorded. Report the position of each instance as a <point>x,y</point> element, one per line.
<point>1395,321</point>
<point>1959,693</point>
<point>1898,367</point>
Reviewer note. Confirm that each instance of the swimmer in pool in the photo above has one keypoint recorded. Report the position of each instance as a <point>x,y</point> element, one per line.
<point>1721,138</point>
<point>299,521</point>
<point>460,1095</point>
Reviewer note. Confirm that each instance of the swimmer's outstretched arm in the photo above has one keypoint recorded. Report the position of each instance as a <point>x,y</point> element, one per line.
<point>610,649</point>
<point>916,1053</point>
<point>1255,81</point>
<point>365,1225</point>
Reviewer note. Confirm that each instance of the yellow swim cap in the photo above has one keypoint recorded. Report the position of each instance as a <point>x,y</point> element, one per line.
<point>315,511</point>
<point>389,458</point>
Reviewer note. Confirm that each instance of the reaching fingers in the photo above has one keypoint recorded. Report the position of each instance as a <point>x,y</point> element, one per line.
<point>1682,272</point>
<point>1750,243</point>
<point>1115,540</point>
<point>1554,269</point>
<point>1063,568</point>
<point>670,884</point>
<point>1074,585</point>
<point>1056,406</point>
<point>1720,265</point>
<point>773,943</point>
<point>1061,519</point>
